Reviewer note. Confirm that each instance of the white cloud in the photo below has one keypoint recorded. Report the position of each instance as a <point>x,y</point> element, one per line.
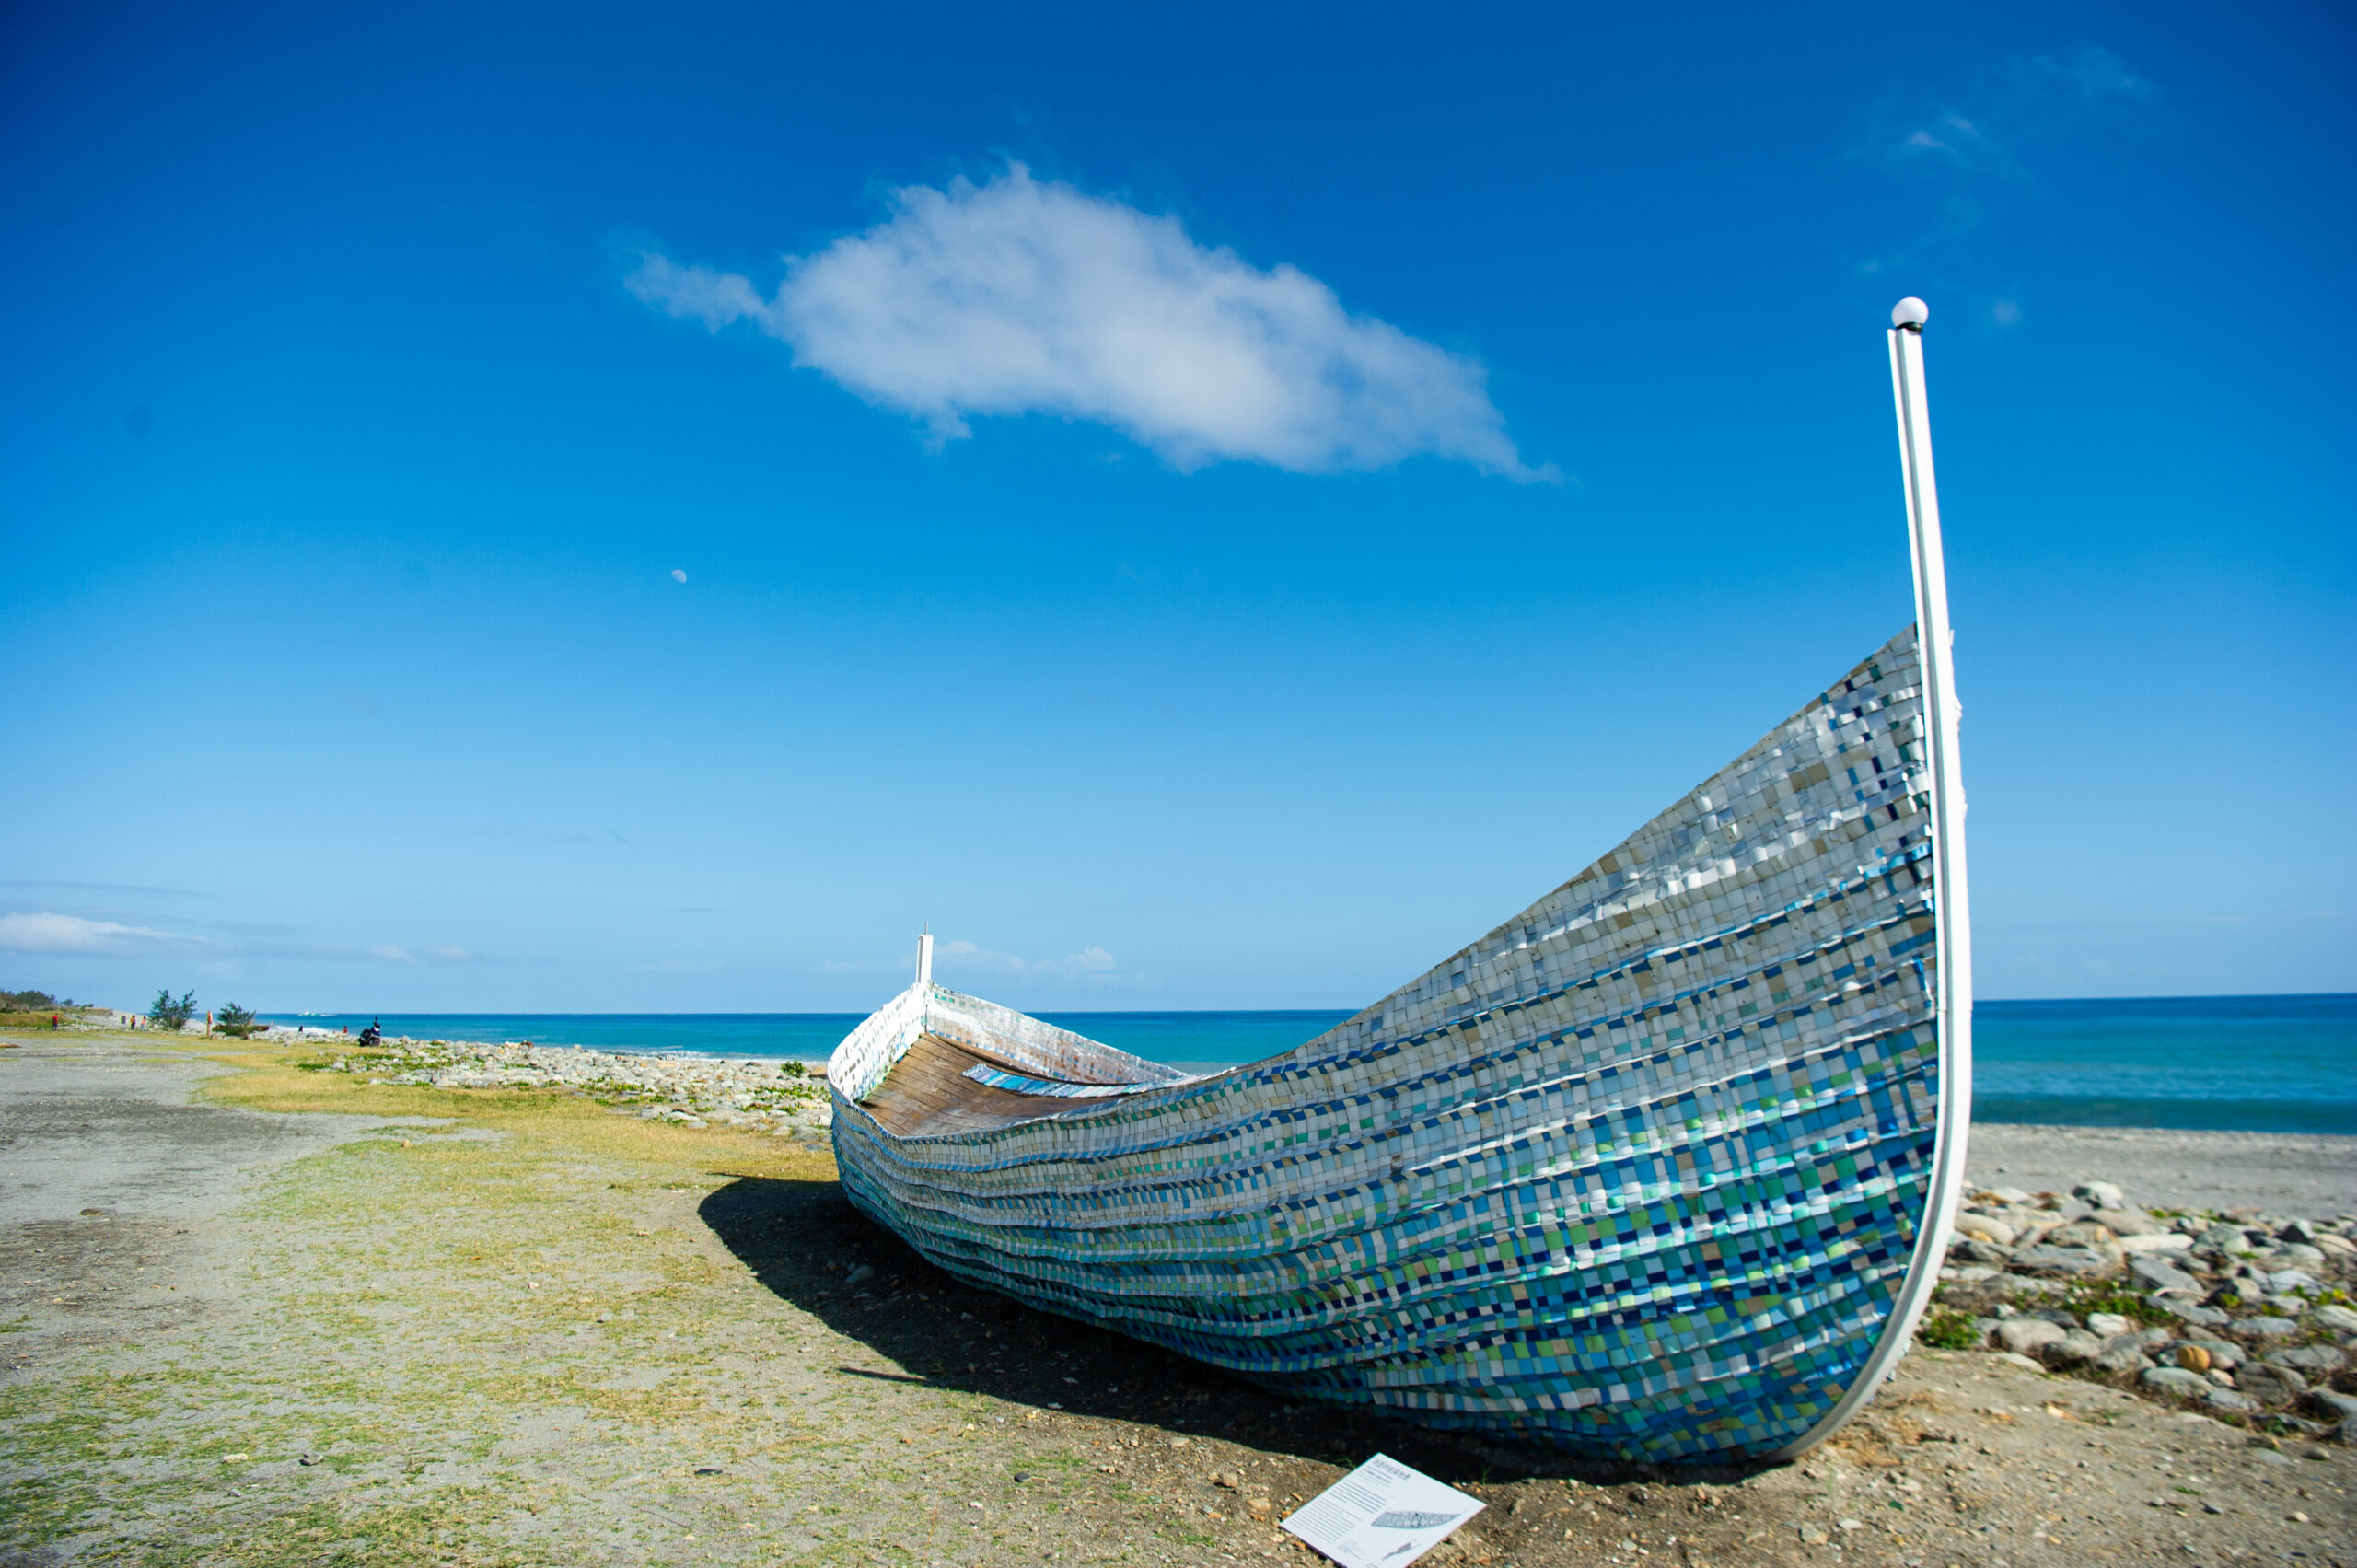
<point>2029,99</point>
<point>46,933</point>
<point>49,932</point>
<point>1021,297</point>
<point>1951,136</point>
<point>2094,74</point>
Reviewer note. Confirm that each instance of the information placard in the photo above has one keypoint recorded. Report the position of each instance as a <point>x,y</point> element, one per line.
<point>1382,1515</point>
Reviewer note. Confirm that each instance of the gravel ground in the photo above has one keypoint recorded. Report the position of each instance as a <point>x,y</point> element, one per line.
<point>412,1325</point>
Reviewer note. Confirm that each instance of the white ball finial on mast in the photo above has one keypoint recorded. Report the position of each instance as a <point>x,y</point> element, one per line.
<point>1911,313</point>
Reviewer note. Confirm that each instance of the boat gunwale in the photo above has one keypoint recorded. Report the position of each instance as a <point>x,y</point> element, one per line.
<point>1859,810</point>
<point>1885,1025</point>
<point>1276,1069</point>
<point>1767,747</point>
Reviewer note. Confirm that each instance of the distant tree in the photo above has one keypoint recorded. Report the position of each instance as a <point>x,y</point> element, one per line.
<point>233,1019</point>
<point>167,1014</point>
<point>26,1001</point>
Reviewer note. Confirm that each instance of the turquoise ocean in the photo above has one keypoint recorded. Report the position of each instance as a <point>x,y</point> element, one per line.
<point>2249,1064</point>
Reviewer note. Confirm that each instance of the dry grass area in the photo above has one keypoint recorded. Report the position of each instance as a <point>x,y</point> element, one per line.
<point>536,1332</point>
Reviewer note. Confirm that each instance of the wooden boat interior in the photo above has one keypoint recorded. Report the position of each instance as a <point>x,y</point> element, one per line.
<point>928,1093</point>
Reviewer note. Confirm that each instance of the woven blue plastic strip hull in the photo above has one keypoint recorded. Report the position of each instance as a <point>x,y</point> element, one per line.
<point>1639,1174</point>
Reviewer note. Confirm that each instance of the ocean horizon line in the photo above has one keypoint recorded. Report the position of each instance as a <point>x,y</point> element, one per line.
<point>2266,1062</point>
<point>1120,1012</point>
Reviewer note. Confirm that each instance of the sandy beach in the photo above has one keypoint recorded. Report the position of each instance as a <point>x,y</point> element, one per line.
<point>266,1313</point>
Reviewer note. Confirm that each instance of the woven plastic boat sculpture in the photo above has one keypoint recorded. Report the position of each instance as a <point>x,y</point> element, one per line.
<point>1656,1169</point>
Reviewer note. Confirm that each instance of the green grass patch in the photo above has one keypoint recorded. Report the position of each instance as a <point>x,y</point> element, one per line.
<point>1944,1329</point>
<point>2097,1298</point>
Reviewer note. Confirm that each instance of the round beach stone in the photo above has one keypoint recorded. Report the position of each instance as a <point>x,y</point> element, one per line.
<point>2229,1238</point>
<point>2273,1385</point>
<point>2127,1222</point>
<point>2267,1327</point>
<point>2070,1262</point>
<point>2311,1361</point>
<point>2025,1335</point>
<point>2229,1399</point>
<point>2339,1320</point>
<point>1981,1227</point>
<point>2183,1307</point>
<point>2123,1355</point>
<point>2174,1380</point>
<point>2161,1274</point>
<point>2158,1242</point>
<point>2074,1348</point>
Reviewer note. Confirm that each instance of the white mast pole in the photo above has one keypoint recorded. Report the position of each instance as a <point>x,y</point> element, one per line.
<point>924,959</point>
<point>1942,715</point>
<point>1952,1001</point>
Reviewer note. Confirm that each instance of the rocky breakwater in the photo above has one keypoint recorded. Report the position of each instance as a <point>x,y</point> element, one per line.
<point>782,1098</point>
<point>2241,1314</point>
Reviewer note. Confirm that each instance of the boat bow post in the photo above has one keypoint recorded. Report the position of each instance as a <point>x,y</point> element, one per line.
<point>1952,980</point>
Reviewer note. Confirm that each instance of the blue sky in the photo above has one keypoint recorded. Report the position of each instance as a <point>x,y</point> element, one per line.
<point>1206,506</point>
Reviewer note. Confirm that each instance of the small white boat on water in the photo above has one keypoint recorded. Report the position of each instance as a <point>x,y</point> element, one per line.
<point>1658,1168</point>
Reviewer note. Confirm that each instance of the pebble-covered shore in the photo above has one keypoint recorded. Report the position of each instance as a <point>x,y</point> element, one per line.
<point>782,1098</point>
<point>2240,1313</point>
